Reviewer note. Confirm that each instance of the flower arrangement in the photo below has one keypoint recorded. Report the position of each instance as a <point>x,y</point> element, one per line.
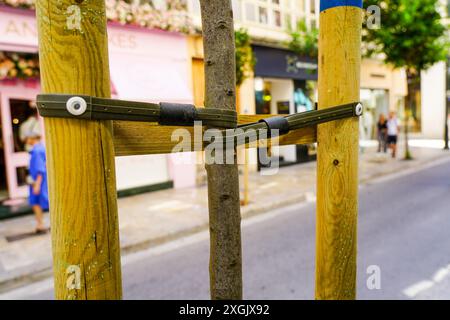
<point>26,4</point>
<point>169,15</point>
<point>18,65</point>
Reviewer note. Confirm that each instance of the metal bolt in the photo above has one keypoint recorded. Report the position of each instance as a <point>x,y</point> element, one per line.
<point>76,106</point>
<point>359,109</point>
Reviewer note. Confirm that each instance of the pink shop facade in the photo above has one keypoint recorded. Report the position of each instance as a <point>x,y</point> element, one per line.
<point>145,65</point>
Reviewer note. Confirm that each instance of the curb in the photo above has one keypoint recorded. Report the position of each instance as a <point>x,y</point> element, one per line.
<point>9,283</point>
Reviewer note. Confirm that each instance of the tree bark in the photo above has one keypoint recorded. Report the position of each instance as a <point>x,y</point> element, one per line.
<point>223,179</point>
<point>411,81</point>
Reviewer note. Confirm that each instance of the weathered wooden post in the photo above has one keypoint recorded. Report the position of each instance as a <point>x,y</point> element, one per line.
<point>223,179</point>
<point>337,183</point>
<point>73,49</point>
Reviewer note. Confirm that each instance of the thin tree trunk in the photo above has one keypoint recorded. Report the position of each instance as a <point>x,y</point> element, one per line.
<point>223,179</point>
<point>411,79</point>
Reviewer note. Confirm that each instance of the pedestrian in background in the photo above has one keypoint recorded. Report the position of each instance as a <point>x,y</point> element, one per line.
<point>38,198</point>
<point>382,133</point>
<point>392,132</point>
<point>30,125</point>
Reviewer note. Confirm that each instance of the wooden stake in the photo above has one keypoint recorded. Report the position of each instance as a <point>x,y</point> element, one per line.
<point>337,175</point>
<point>139,138</point>
<point>73,50</point>
<point>223,179</point>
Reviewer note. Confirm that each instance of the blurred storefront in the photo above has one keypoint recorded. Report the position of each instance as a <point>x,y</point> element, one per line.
<point>285,83</point>
<point>140,70</point>
<point>383,89</point>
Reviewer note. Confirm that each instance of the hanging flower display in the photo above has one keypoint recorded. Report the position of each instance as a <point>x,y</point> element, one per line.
<point>18,65</point>
<point>169,15</point>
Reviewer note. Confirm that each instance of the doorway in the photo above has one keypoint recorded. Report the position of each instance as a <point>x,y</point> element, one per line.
<point>3,184</point>
<point>18,114</point>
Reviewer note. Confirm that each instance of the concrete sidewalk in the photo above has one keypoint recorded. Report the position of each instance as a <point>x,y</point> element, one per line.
<point>149,219</point>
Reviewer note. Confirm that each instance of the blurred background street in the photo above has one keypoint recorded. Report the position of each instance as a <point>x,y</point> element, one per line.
<point>403,229</point>
<point>156,54</point>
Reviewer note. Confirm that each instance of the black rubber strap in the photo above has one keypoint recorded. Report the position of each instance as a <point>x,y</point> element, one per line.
<point>276,123</point>
<point>57,105</point>
<point>93,108</point>
<point>175,114</point>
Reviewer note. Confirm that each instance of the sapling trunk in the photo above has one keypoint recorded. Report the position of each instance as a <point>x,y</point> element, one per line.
<point>223,179</point>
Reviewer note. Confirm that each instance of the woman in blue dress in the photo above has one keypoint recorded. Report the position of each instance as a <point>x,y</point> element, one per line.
<point>38,198</point>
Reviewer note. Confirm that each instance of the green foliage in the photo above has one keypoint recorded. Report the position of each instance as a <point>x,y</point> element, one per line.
<point>411,35</point>
<point>245,59</point>
<point>303,41</point>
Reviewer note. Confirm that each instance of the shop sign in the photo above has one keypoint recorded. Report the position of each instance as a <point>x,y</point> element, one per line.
<point>294,64</point>
<point>282,63</point>
<point>18,29</point>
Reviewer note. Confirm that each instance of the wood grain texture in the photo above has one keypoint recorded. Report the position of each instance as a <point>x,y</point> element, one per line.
<point>80,154</point>
<point>337,163</point>
<point>223,180</point>
<point>140,138</point>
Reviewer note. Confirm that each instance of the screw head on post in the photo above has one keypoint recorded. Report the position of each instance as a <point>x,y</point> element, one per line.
<point>359,109</point>
<point>76,106</point>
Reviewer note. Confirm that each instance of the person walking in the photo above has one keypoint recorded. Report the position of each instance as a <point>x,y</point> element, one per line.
<point>382,133</point>
<point>392,132</point>
<point>38,198</point>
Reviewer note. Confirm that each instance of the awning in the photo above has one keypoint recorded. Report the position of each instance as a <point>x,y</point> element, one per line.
<point>18,48</point>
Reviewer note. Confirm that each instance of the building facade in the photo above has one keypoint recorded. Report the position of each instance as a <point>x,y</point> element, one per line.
<point>140,71</point>
<point>284,82</point>
<point>434,97</point>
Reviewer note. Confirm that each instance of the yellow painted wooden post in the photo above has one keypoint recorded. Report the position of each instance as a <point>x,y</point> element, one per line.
<point>337,183</point>
<point>73,49</point>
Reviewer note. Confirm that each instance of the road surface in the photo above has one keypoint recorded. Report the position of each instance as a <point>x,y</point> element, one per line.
<point>404,230</point>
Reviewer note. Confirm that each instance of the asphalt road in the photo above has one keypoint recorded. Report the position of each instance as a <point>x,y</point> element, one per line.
<point>404,229</point>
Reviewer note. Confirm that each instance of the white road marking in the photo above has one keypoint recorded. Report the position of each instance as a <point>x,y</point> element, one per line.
<point>441,274</point>
<point>418,287</point>
<point>424,285</point>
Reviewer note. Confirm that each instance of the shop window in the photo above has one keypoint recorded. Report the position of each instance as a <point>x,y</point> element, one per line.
<point>305,95</point>
<point>376,102</point>
<point>275,13</point>
<point>250,12</point>
<point>313,6</point>
<point>263,96</point>
<point>21,173</point>
<point>277,18</point>
<point>263,16</point>
<point>23,119</point>
<point>236,9</point>
<point>195,7</point>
